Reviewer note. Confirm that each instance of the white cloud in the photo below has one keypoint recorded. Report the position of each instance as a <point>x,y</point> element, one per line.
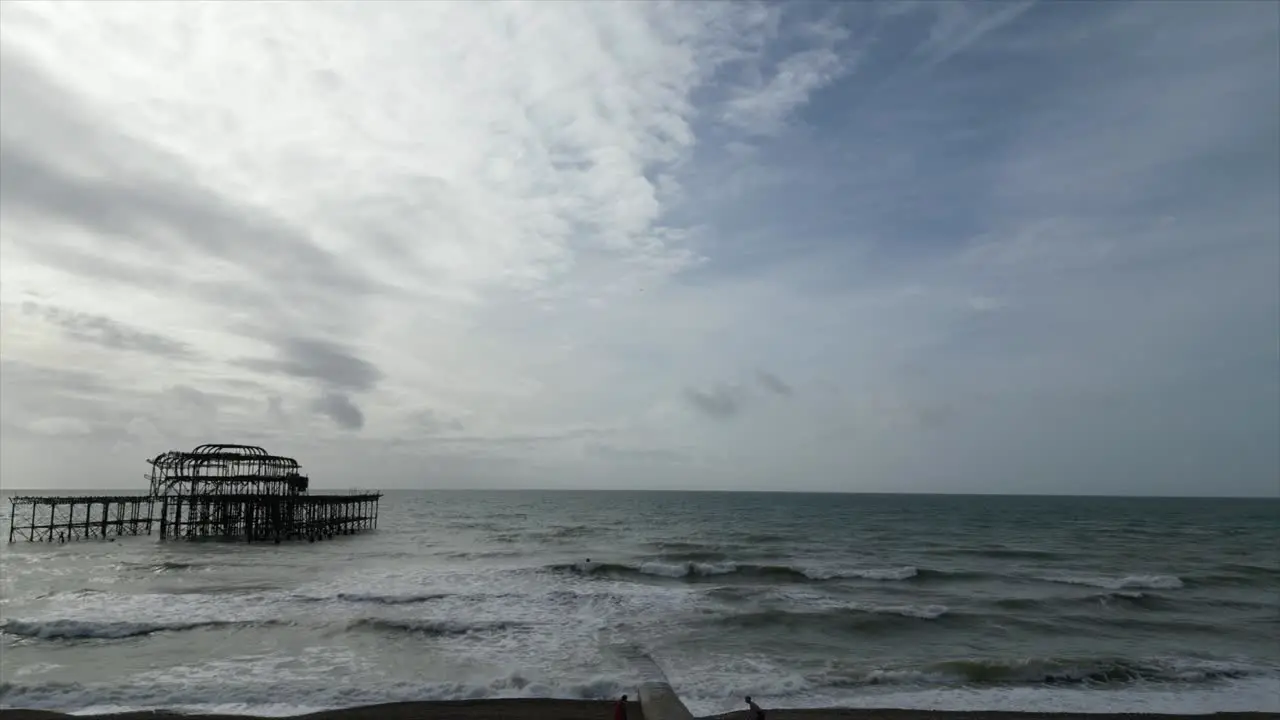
<point>61,426</point>
<point>572,244</point>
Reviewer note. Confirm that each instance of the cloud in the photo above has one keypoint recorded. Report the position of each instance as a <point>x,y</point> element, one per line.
<point>613,453</point>
<point>138,201</point>
<point>772,383</point>
<point>109,333</point>
<point>431,423</point>
<point>720,402</point>
<point>1001,248</point>
<point>340,409</point>
<point>334,367</point>
<point>325,361</point>
<point>276,414</point>
<point>61,426</point>
<point>960,25</point>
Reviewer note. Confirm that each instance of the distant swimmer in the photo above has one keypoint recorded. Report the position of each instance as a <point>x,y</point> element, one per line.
<point>756,712</point>
<point>620,707</point>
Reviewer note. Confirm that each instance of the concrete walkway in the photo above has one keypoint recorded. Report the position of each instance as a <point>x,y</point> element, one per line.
<point>659,702</point>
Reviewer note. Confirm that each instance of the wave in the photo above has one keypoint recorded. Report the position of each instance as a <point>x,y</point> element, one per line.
<point>165,566</point>
<point>478,554</point>
<point>1007,553</point>
<point>263,697</point>
<point>904,572</point>
<point>705,696</point>
<point>695,570</point>
<point>1253,569</point>
<point>386,599</point>
<point>679,546</point>
<point>1050,671</point>
<point>1135,600</point>
<point>1111,624</point>
<point>764,538</point>
<point>686,556</point>
<point>1118,598</point>
<point>553,595</point>
<point>85,630</point>
<point>432,628</point>
<point>1241,575</point>
<point>568,531</point>
<point>225,589</point>
<point>69,594</point>
<point>833,615</point>
<point>863,617</point>
<point>936,575</point>
<point>1151,582</point>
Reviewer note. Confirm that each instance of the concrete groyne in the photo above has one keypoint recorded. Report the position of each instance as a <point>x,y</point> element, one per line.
<point>659,702</point>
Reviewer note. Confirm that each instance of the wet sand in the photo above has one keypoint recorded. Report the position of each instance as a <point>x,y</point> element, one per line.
<point>538,709</point>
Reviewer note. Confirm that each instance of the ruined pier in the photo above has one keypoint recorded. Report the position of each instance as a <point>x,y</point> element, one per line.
<point>217,492</point>
<point>38,518</point>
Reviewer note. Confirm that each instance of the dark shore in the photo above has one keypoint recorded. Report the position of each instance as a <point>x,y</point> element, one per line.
<point>540,709</point>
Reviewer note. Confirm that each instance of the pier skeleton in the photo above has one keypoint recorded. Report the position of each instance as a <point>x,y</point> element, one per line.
<point>216,491</point>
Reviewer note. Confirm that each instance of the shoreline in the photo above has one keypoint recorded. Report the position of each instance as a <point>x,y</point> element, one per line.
<point>553,709</point>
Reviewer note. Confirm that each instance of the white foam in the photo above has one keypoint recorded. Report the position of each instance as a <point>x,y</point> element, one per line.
<point>800,600</point>
<point>707,688</point>
<point>922,612</point>
<point>550,630</point>
<point>1249,695</point>
<point>1148,582</point>
<point>675,570</point>
<point>264,697</point>
<point>893,573</point>
<point>80,629</point>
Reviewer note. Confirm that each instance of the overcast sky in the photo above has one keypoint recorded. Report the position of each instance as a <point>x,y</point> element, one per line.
<point>866,247</point>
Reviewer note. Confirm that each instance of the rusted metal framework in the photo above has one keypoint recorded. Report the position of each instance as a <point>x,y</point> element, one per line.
<point>64,518</point>
<point>215,491</point>
<point>255,518</point>
<point>225,469</point>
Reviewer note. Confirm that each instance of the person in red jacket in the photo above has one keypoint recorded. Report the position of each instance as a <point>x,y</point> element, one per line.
<point>620,709</point>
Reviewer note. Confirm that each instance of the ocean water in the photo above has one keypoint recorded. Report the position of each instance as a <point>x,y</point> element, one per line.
<point>945,602</point>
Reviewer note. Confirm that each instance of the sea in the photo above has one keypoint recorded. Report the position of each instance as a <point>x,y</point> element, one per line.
<point>801,600</point>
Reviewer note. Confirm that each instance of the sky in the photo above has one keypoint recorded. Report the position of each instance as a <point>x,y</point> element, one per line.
<point>870,247</point>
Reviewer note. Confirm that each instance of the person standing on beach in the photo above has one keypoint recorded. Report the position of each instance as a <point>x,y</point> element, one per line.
<point>756,712</point>
<point>620,709</point>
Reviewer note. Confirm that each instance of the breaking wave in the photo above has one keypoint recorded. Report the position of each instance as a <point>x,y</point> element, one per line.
<point>263,698</point>
<point>1118,599</point>
<point>1050,671</point>
<point>165,566</point>
<point>1151,582</point>
<point>862,617</point>
<point>432,628</point>
<point>412,599</point>
<point>695,570</point>
<point>84,630</point>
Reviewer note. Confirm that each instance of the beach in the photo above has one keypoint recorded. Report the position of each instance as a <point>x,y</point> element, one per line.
<point>543,709</point>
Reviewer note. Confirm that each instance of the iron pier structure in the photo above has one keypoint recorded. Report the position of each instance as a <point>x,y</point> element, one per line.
<point>217,492</point>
